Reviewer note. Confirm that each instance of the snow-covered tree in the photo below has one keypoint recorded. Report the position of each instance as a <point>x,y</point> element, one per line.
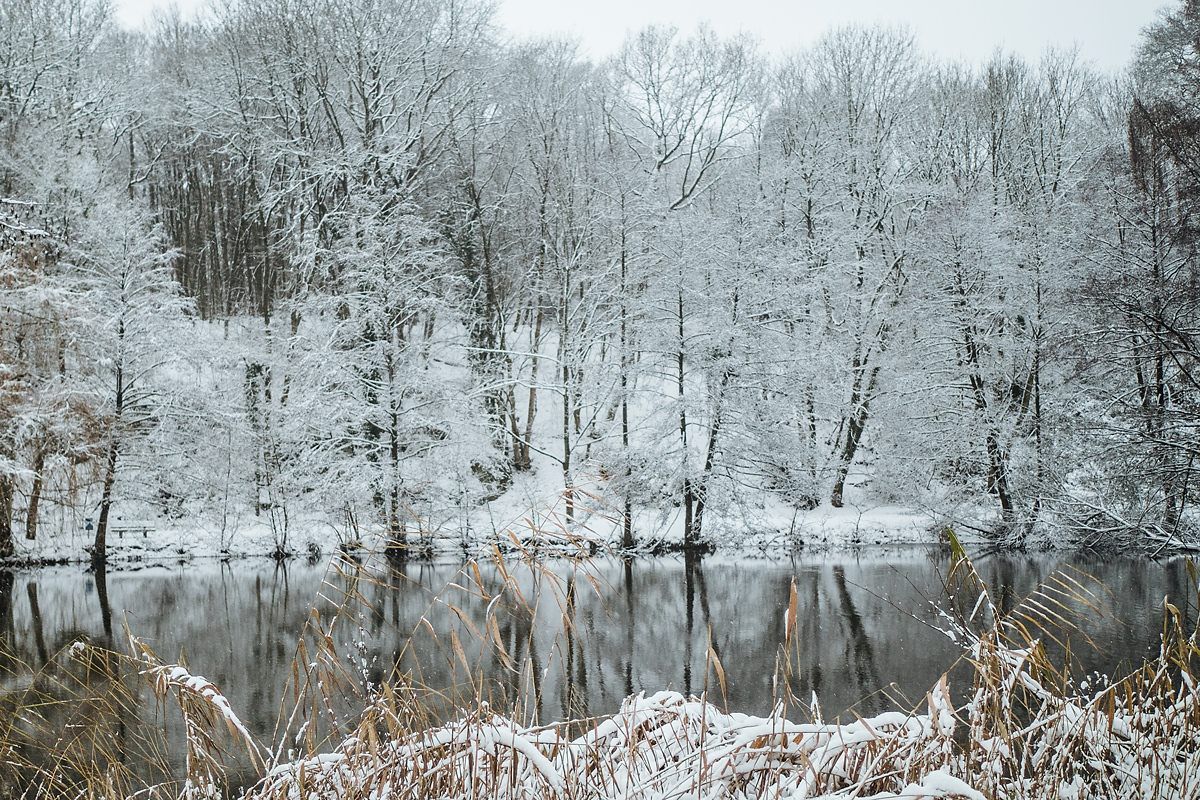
<point>128,332</point>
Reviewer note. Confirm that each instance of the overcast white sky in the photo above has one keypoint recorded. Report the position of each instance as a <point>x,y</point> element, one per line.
<point>1104,30</point>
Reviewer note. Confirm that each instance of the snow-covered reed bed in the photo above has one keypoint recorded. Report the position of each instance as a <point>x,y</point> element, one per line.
<point>1014,725</point>
<point>1016,737</point>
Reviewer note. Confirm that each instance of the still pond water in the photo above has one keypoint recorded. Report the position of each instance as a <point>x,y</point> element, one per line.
<point>596,633</point>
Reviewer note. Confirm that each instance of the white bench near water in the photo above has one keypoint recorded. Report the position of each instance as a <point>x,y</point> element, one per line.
<point>120,528</point>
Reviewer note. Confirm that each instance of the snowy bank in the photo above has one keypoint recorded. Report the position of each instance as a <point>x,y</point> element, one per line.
<point>531,515</point>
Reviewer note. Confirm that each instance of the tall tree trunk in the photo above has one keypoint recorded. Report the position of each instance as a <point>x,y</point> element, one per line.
<point>100,544</point>
<point>35,495</point>
<point>509,412</point>
<point>524,459</point>
<point>564,357</point>
<point>714,435</point>
<point>396,535</point>
<point>860,406</point>
<point>1035,379</point>
<point>689,532</point>
<point>253,392</point>
<point>627,523</point>
<point>487,328</point>
<point>997,475</point>
<point>568,491</point>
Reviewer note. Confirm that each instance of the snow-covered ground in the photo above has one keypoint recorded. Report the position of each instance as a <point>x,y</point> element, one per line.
<point>519,515</point>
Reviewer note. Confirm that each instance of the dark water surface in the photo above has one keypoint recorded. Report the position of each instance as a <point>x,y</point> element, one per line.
<point>596,633</point>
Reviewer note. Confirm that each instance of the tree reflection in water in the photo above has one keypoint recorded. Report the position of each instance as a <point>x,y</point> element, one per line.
<point>568,644</point>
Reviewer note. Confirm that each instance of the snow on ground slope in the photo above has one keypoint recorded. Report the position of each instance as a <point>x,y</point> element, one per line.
<point>533,511</point>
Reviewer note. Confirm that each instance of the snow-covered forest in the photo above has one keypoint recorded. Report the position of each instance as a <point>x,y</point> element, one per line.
<point>373,268</point>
